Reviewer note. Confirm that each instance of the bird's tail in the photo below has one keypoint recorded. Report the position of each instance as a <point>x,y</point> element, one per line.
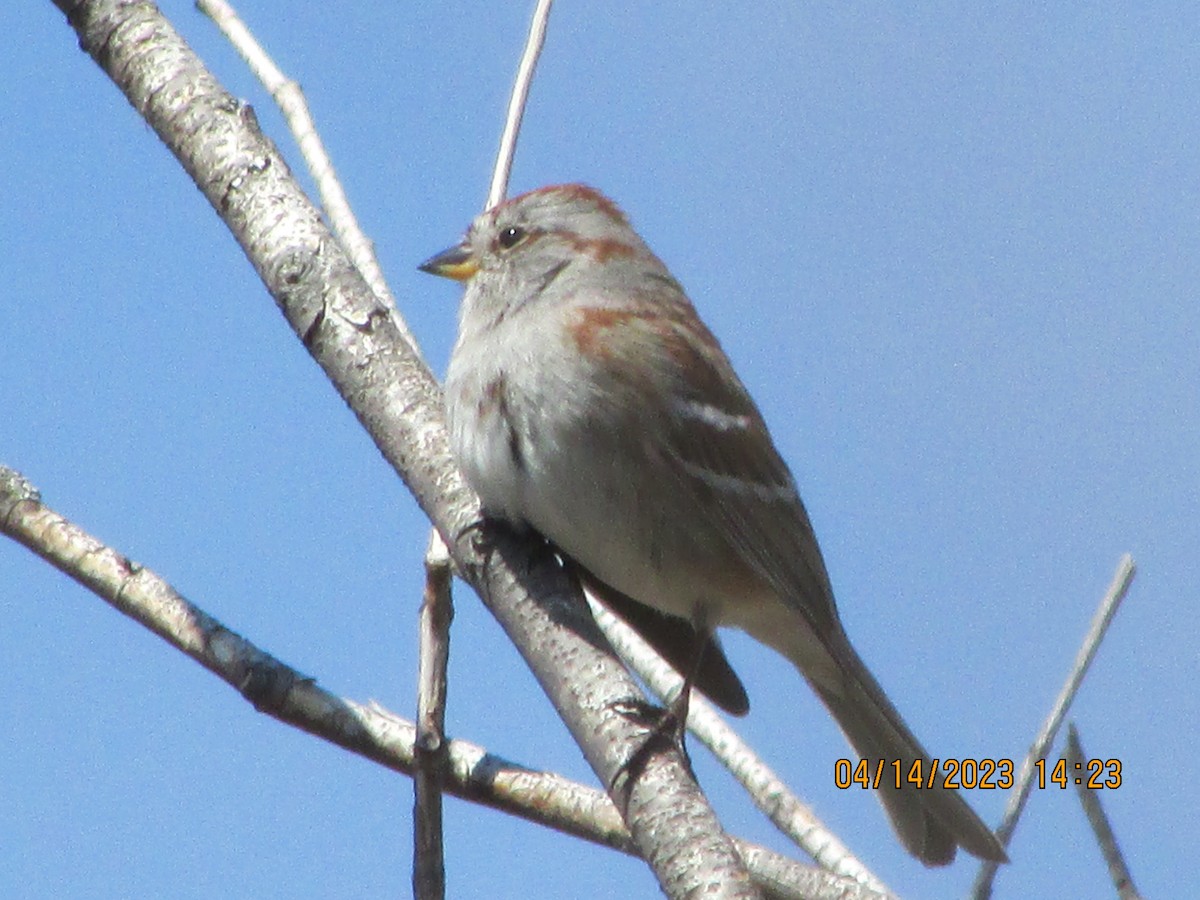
<point>931,822</point>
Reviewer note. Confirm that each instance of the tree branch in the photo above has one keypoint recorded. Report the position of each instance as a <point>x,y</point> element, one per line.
<point>768,791</point>
<point>517,102</point>
<point>367,730</point>
<point>982,888</point>
<point>294,107</point>
<point>1089,799</point>
<point>437,609</point>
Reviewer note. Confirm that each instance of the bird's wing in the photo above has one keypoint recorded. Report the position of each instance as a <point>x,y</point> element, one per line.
<point>699,419</point>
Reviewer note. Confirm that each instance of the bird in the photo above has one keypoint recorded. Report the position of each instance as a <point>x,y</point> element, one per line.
<point>587,401</point>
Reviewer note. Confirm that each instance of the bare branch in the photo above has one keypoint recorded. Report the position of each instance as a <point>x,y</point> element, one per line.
<point>364,729</point>
<point>290,99</point>
<point>1126,569</point>
<point>768,791</point>
<point>437,610</point>
<point>135,591</point>
<point>516,105</point>
<point>285,694</point>
<point>1077,762</point>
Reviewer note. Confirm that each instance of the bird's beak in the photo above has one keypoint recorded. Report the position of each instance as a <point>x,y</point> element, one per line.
<point>456,263</point>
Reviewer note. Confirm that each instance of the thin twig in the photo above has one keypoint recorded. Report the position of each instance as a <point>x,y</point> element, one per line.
<point>1126,569</point>
<point>289,97</point>
<point>429,873</point>
<point>768,791</point>
<point>516,104</point>
<point>1078,763</point>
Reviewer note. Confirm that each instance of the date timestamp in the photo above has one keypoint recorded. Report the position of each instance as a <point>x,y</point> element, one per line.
<point>984,774</point>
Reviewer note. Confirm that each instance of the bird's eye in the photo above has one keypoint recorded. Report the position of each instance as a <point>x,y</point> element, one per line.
<point>511,236</point>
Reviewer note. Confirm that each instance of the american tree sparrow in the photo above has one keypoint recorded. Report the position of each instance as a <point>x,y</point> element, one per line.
<point>587,400</point>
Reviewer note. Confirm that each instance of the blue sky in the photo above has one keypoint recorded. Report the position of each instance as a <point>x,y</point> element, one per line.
<point>951,252</point>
